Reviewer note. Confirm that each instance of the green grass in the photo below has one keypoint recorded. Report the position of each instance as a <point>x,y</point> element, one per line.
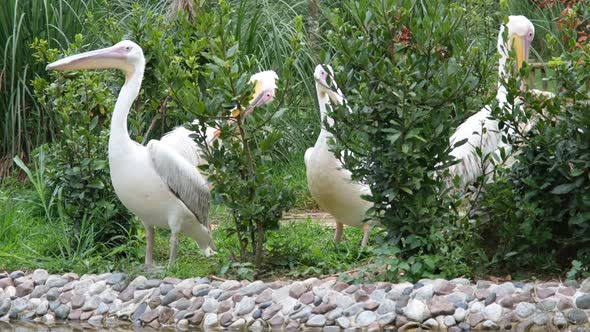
<point>296,250</point>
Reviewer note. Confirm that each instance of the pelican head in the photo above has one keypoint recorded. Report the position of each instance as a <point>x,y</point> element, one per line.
<point>326,85</point>
<point>126,56</point>
<point>520,36</point>
<point>265,84</point>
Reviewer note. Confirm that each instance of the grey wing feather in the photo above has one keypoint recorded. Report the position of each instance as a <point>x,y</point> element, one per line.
<point>184,180</point>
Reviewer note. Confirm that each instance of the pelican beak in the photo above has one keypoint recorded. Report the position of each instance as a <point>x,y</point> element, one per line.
<point>521,47</point>
<point>105,58</point>
<point>264,97</point>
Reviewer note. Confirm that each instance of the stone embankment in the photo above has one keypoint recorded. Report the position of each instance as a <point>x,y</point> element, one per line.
<point>328,304</point>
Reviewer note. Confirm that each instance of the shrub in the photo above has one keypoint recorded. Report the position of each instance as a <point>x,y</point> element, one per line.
<point>76,170</point>
<point>411,71</point>
<point>538,214</point>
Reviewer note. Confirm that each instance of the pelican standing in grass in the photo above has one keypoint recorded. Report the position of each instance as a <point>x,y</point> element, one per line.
<point>520,35</point>
<point>156,182</point>
<point>329,183</point>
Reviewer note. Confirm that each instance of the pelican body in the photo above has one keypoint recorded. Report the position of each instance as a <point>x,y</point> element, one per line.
<point>329,183</point>
<point>520,35</point>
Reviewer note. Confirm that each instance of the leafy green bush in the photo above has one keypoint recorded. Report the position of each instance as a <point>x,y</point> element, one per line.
<point>77,172</point>
<point>538,214</point>
<point>411,71</point>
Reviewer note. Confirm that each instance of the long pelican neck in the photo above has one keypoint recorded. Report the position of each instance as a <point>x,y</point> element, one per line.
<point>323,101</point>
<point>503,48</point>
<point>119,134</point>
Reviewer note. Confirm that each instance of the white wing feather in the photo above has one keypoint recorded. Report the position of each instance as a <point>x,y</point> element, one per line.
<point>183,179</point>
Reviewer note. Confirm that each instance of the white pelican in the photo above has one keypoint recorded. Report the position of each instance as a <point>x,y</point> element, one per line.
<point>329,183</point>
<point>179,138</point>
<point>520,35</point>
<point>158,182</point>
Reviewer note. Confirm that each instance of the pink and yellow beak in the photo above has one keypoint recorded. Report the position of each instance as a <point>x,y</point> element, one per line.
<point>521,47</point>
<point>105,58</point>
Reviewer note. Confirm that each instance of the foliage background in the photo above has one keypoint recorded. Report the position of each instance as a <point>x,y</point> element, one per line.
<point>69,218</point>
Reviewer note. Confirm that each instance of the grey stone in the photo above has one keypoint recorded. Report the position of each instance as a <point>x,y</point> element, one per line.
<point>540,318</point>
<point>182,324</point>
<point>365,318</point>
<point>16,274</point>
<point>40,276</point>
<point>483,284</point>
<point>210,320</point>
<point>102,308</point>
<point>490,299</point>
<point>5,305</point>
<point>584,286</point>
<point>305,298</point>
<point>386,319</point>
<point>18,305</point>
<point>245,306</point>
<point>95,320</point>
<point>42,308</point>
<point>465,326</point>
<point>166,288</point>
<point>53,294</point>
<point>524,309</point>
<point>92,303</point>
<point>431,323</point>
<point>173,295</point>
<point>567,291</point>
<point>257,326</point>
<point>461,281</point>
<point>182,304</point>
<point>490,325</point>
<point>203,280</point>
<point>559,320</point>
<point>334,314</point>
<point>583,301</point>
<point>316,321</point>
<point>449,321</point>
<point>565,303</point>
<point>62,311</point>
<point>353,309</point>
<point>48,319</point>
<point>386,306</point>
<point>378,295</point>
<point>238,324</point>
<point>371,305</point>
<point>254,288</point>
<point>503,289</point>
<point>482,294</point>
<point>302,314</point>
<point>230,285</point>
<point>343,322</point>
<point>571,283</point>
<point>576,316</point>
<point>210,305</point>
<point>56,281</point>
<point>139,311</point>
<point>476,307</point>
<point>127,294</point>
<point>423,293</point>
<point>506,301</point>
<point>416,310</point>
<point>549,304</point>
<point>97,288</point>
<point>493,312</point>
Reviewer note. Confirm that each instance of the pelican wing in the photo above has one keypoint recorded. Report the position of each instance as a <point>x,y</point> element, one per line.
<point>182,178</point>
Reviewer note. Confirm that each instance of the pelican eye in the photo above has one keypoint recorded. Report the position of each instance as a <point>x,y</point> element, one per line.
<point>128,48</point>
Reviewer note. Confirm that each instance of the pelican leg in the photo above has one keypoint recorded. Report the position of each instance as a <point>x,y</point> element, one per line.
<point>173,248</point>
<point>338,233</point>
<point>149,247</point>
<point>366,231</point>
